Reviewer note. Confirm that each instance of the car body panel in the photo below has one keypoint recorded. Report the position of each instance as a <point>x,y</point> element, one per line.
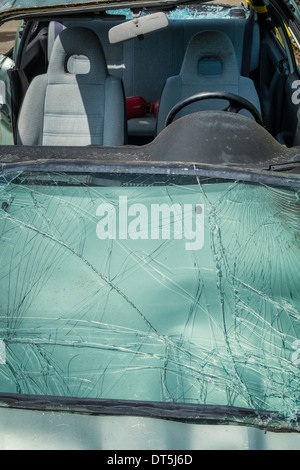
<point>32,430</point>
<point>6,131</point>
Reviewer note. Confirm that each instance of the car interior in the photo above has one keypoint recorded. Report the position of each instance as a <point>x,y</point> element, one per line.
<point>81,84</point>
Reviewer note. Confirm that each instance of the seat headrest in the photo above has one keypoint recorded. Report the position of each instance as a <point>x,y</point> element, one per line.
<point>210,54</point>
<point>74,42</point>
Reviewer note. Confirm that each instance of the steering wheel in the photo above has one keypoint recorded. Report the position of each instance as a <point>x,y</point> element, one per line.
<point>236,103</point>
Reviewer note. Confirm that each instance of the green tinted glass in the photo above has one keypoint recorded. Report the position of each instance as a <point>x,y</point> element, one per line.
<point>150,290</point>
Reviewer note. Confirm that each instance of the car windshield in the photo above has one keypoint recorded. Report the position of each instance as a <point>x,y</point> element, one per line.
<point>145,288</point>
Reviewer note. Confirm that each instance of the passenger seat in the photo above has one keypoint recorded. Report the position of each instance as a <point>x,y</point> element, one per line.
<point>72,107</point>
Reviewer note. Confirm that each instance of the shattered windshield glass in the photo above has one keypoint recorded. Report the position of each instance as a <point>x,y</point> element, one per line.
<point>151,288</point>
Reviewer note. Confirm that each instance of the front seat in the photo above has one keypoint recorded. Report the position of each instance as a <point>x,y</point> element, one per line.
<point>210,64</point>
<point>74,106</point>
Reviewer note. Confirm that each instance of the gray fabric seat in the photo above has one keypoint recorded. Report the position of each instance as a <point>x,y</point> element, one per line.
<point>210,64</point>
<point>73,104</point>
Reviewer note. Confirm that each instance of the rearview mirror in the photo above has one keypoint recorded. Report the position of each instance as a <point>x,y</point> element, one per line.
<point>138,27</point>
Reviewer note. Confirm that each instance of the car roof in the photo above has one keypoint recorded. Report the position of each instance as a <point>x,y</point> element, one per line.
<point>35,5</point>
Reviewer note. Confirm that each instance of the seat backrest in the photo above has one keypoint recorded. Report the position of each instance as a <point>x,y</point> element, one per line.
<point>209,64</point>
<point>145,65</point>
<point>73,105</point>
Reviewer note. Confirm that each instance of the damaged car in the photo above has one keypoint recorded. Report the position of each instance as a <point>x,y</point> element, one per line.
<point>150,225</point>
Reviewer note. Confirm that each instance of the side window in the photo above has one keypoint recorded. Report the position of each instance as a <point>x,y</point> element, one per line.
<point>294,6</point>
<point>295,46</point>
<point>8,33</point>
<point>286,36</point>
<point>287,41</point>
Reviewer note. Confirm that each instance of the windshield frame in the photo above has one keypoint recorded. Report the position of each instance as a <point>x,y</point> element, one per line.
<point>260,174</point>
<point>181,412</point>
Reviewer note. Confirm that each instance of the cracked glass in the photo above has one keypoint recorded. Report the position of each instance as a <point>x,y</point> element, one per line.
<point>150,288</point>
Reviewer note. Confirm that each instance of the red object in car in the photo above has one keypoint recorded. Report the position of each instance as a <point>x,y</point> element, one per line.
<point>154,108</point>
<point>137,107</point>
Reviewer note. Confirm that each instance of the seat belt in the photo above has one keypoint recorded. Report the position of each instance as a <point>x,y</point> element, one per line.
<point>247,46</point>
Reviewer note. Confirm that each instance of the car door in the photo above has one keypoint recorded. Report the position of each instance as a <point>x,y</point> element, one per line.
<point>7,64</point>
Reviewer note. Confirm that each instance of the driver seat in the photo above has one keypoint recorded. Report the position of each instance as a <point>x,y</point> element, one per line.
<point>210,64</point>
